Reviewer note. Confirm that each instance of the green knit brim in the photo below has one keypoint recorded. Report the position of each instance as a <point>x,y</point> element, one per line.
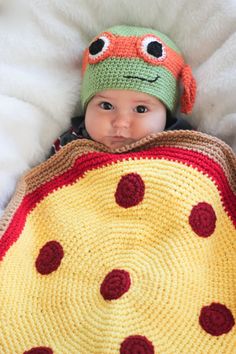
<point>103,76</point>
<point>141,31</point>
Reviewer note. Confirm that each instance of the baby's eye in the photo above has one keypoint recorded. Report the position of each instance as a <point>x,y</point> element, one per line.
<point>106,105</point>
<point>141,109</point>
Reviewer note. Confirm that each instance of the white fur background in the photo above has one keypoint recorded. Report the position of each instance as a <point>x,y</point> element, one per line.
<point>41,43</point>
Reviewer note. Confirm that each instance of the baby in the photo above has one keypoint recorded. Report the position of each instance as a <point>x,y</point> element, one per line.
<point>130,88</point>
<point>134,252</point>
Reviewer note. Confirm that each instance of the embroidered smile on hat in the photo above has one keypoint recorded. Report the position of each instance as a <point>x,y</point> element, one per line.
<point>139,59</point>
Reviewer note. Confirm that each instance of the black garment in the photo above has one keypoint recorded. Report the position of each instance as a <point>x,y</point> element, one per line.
<point>78,131</point>
<point>174,123</point>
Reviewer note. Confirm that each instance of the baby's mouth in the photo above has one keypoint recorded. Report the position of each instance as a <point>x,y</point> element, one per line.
<point>142,78</point>
<point>118,138</point>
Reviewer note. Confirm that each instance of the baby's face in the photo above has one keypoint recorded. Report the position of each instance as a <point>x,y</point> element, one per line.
<point>119,117</point>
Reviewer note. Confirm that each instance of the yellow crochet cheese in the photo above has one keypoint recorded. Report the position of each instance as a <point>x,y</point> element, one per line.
<point>147,255</point>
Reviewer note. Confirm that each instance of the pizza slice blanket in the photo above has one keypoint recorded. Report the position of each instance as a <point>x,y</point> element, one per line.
<point>130,251</point>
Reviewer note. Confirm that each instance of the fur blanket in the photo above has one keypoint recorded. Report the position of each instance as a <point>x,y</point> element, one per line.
<point>134,252</point>
<point>41,45</point>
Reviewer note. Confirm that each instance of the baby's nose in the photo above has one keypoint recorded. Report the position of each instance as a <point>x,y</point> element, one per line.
<point>121,120</point>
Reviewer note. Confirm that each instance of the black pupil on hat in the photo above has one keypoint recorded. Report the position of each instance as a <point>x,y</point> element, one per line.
<point>96,46</point>
<point>155,48</point>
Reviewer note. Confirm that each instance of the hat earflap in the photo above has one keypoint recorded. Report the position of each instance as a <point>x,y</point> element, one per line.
<point>189,90</point>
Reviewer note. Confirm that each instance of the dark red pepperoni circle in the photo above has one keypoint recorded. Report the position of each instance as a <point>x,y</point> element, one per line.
<point>49,258</point>
<point>203,219</point>
<point>130,190</point>
<point>115,284</point>
<point>136,345</point>
<point>216,319</point>
<point>39,350</point>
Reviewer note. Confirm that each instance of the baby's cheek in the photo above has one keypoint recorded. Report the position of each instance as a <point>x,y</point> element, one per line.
<point>159,121</point>
<point>146,127</point>
<point>91,127</point>
<point>97,127</point>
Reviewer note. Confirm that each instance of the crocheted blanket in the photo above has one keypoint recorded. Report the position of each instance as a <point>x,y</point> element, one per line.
<point>129,251</point>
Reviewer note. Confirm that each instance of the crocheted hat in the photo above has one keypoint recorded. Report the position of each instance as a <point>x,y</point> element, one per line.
<point>139,59</point>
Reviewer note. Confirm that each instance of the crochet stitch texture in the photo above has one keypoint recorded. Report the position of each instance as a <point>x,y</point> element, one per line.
<point>127,251</point>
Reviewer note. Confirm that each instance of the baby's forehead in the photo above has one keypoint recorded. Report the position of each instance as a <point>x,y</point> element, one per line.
<point>128,95</point>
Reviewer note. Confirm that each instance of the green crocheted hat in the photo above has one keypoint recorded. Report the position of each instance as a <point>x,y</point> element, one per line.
<point>139,59</point>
